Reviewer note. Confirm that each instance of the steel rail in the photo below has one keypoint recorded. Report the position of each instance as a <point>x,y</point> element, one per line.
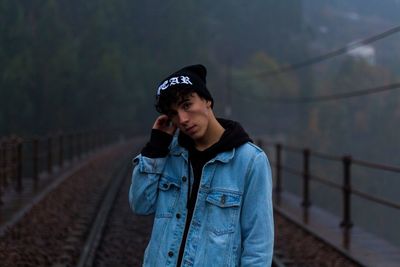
<point>94,238</point>
<point>278,261</point>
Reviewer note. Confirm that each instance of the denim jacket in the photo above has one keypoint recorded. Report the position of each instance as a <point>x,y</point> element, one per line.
<point>232,223</point>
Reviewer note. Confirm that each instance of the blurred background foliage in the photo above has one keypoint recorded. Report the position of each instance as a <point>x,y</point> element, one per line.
<point>96,64</point>
<point>68,65</point>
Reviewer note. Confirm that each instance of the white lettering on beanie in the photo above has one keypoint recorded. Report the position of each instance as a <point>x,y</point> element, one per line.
<point>174,81</point>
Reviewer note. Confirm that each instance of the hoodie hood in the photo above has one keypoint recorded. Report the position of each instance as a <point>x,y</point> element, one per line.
<point>233,136</point>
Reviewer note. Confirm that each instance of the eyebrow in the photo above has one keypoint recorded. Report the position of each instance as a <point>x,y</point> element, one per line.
<point>183,100</point>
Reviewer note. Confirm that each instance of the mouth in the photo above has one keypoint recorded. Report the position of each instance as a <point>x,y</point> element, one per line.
<point>191,129</point>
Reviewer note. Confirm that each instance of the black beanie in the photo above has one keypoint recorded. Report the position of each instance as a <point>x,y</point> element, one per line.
<point>193,77</point>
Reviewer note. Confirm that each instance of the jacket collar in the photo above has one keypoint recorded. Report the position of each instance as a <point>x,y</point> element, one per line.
<point>177,150</point>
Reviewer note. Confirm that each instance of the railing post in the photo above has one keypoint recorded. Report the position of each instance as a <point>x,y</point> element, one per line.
<point>78,141</point>
<point>98,140</point>
<point>93,141</point>
<point>19,165</point>
<point>13,160</point>
<point>306,181</point>
<point>103,139</point>
<point>85,142</point>
<point>89,142</point>
<point>94,137</point>
<point>278,187</point>
<point>82,144</point>
<point>346,224</point>
<point>5,182</point>
<point>71,147</point>
<point>49,155</point>
<point>35,162</point>
<point>2,174</point>
<point>61,151</point>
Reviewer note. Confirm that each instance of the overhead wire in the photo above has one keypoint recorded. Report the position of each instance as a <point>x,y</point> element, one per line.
<point>332,97</point>
<point>329,55</point>
<point>334,53</point>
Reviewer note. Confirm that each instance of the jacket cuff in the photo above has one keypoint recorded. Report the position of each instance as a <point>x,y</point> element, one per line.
<point>158,146</point>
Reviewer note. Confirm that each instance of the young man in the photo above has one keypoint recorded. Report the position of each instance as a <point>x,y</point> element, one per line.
<point>207,183</point>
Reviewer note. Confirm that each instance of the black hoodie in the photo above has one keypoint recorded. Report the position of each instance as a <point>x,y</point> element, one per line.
<point>233,136</point>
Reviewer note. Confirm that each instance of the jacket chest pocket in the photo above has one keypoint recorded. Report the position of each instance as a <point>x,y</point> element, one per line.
<point>168,194</point>
<point>223,208</point>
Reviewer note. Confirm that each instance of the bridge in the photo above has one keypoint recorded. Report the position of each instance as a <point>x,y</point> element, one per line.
<point>64,203</point>
<point>322,72</point>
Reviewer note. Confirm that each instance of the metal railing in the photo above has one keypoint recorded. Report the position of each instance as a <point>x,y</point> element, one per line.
<point>30,158</point>
<point>345,187</point>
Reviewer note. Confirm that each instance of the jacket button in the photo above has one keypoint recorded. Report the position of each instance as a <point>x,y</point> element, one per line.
<point>223,199</point>
<point>165,185</point>
<point>184,179</point>
<point>178,215</point>
<point>170,254</point>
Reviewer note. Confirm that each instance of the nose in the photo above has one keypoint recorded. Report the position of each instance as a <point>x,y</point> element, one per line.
<point>183,117</point>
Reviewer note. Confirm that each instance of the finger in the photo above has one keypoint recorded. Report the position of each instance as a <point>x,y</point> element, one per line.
<point>160,121</point>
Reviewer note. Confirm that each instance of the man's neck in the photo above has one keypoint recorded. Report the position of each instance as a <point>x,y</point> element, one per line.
<point>212,136</point>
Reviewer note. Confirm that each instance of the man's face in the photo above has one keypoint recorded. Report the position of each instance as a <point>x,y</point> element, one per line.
<point>191,115</point>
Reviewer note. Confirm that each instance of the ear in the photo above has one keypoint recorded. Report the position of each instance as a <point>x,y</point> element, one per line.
<point>208,103</point>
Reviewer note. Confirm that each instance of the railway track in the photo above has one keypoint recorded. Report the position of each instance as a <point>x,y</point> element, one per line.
<point>87,221</point>
<point>97,230</point>
<point>53,232</point>
<point>294,246</point>
<point>117,236</point>
<point>101,246</point>
<point>280,261</point>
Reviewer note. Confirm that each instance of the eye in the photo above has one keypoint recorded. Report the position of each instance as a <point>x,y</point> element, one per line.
<point>186,105</point>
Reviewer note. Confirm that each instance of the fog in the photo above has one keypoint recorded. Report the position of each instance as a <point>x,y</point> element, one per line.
<point>95,64</point>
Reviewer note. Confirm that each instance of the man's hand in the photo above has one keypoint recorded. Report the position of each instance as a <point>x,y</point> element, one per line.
<point>163,123</point>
